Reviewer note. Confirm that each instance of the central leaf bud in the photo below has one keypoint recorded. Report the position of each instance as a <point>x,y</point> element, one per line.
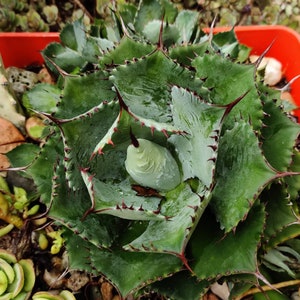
<point>152,165</point>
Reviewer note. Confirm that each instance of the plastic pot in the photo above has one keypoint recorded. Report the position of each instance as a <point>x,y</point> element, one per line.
<point>23,49</point>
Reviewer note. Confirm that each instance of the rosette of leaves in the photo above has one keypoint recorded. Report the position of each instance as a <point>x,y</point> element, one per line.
<point>17,278</point>
<point>153,75</point>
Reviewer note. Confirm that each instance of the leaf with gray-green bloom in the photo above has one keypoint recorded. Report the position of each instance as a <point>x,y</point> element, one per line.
<point>239,164</point>
<point>186,22</point>
<point>183,208</point>
<point>42,98</point>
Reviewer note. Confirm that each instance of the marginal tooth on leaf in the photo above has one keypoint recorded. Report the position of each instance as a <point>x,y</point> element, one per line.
<point>141,208</point>
<point>213,147</point>
<point>91,177</point>
<point>195,208</point>
<point>124,206</point>
<point>152,130</point>
<point>133,248</point>
<point>165,133</point>
<point>110,142</point>
<point>214,137</point>
<point>145,247</point>
<point>213,159</point>
<point>118,207</point>
<point>189,228</point>
<point>67,149</point>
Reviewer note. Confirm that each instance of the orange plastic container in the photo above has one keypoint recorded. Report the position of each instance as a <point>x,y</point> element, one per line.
<point>23,49</point>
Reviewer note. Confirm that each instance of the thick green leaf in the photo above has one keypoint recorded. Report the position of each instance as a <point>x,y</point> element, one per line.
<point>181,286</point>
<point>279,136</point>
<point>287,233</point>
<point>82,93</point>
<point>170,33</point>
<point>42,169</point>
<point>227,43</point>
<point>278,259</point>
<point>197,150</point>
<point>73,36</point>
<point>121,200</point>
<point>128,49</point>
<point>280,213</point>
<point>66,58</point>
<point>225,89</point>
<point>43,98</point>
<point>184,208</point>
<point>145,85</point>
<point>216,254</point>
<point>23,155</point>
<point>293,182</point>
<point>185,54</point>
<point>118,136</point>
<point>239,164</point>
<point>186,22</point>
<point>69,207</point>
<point>126,270</point>
<point>76,49</point>
<point>150,10</point>
<point>80,137</point>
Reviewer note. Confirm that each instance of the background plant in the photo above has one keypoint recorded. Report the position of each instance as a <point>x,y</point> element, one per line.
<point>150,73</point>
<point>17,278</point>
<point>52,15</point>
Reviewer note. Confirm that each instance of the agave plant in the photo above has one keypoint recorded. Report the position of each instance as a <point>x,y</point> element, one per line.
<point>167,162</point>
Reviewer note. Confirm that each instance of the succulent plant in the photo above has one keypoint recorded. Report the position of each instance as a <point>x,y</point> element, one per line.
<point>190,111</point>
<point>15,207</point>
<point>17,278</point>
<point>63,295</point>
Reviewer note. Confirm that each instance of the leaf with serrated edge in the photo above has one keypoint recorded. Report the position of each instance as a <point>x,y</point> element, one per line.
<point>69,207</point>
<point>216,254</point>
<point>184,207</point>
<point>197,150</point>
<point>181,286</point>
<point>132,266</point>
<point>223,89</point>
<point>120,200</point>
<point>278,136</point>
<point>81,94</point>
<point>128,123</point>
<point>127,49</point>
<point>74,133</point>
<point>240,164</point>
<point>280,215</point>
<point>145,85</point>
